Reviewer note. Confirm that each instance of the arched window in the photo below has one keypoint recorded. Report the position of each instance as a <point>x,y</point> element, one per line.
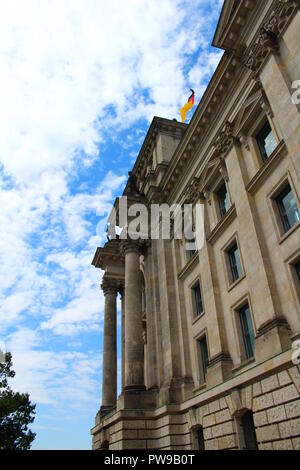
<point>249,431</point>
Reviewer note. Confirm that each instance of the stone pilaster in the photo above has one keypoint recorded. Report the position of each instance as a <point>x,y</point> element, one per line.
<point>109,380</point>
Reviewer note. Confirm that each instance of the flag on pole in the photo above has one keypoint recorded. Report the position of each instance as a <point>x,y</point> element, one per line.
<point>187,106</point>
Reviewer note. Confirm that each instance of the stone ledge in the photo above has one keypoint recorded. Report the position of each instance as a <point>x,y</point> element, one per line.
<point>222,225</point>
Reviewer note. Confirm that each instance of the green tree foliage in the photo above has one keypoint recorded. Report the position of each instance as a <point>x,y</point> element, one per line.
<point>16,412</point>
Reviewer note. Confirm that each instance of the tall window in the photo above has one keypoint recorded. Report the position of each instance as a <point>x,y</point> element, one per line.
<point>198,299</point>
<point>223,200</point>
<point>203,357</point>
<point>200,439</point>
<point>235,263</point>
<point>288,209</point>
<point>249,431</point>
<point>266,141</point>
<point>247,330</point>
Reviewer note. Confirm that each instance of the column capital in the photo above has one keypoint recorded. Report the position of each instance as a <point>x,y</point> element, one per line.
<point>131,246</point>
<point>109,286</point>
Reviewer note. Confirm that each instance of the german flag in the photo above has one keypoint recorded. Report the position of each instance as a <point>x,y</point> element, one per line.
<point>187,106</point>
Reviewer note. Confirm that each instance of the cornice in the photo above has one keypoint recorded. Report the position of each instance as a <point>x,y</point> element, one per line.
<point>232,20</point>
<point>110,252</point>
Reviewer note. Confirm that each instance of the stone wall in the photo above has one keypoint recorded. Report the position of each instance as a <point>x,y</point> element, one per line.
<point>274,400</point>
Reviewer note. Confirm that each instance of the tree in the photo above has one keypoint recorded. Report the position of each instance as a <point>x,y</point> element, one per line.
<point>16,412</point>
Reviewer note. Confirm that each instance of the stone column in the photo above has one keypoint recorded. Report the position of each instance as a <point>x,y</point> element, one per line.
<point>109,380</point>
<point>134,347</point>
<point>122,293</point>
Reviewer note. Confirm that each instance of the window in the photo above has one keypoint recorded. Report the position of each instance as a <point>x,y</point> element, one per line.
<point>191,253</point>
<point>288,209</point>
<point>223,200</point>
<point>198,299</point>
<point>204,357</point>
<point>266,141</point>
<point>200,439</point>
<point>247,331</point>
<point>297,269</point>
<point>249,431</point>
<point>235,263</point>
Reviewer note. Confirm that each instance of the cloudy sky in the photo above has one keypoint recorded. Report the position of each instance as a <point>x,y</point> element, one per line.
<point>80,83</point>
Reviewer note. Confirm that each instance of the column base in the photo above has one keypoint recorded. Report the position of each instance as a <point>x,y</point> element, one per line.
<point>136,399</point>
<point>134,388</point>
<point>176,390</point>
<point>106,409</point>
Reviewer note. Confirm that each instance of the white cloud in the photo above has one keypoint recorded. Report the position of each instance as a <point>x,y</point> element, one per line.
<point>62,379</point>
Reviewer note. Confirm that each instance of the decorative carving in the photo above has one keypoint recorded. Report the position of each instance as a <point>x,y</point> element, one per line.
<point>223,171</point>
<point>269,33</point>
<point>244,140</point>
<point>207,196</point>
<point>193,193</point>
<point>131,246</point>
<point>282,12</point>
<point>265,104</point>
<point>225,139</point>
<point>109,286</point>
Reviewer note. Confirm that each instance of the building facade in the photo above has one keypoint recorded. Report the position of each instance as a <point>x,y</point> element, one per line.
<point>208,335</point>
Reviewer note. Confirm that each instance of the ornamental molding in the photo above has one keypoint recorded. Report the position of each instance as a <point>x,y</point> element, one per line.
<point>269,34</point>
<point>225,140</point>
<point>193,192</point>
<point>109,286</point>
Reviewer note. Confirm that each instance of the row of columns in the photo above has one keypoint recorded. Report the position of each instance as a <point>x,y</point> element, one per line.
<point>132,328</point>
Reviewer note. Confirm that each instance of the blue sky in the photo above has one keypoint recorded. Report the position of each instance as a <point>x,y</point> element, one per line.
<point>80,84</point>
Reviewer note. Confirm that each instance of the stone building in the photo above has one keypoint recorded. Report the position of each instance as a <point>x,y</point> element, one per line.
<point>208,335</point>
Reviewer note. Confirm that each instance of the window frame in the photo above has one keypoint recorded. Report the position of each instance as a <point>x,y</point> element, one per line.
<point>226,263</point>
<point>249,349</point>
<point>222,210</point>
<point>234,266</point>
<point>194,301</point>
<point>293,276</point>
<point>273,207</point>
<point>282,210</point>
<point>235,309</point>
<point>202,365</point>
<point>263,154</point>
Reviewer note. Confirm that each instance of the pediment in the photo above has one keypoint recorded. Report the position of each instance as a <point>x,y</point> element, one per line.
<point>247,109</point>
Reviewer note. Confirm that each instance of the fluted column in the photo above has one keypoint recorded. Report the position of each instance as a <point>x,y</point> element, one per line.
<point>109,380</point>
<point>134,347</point>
